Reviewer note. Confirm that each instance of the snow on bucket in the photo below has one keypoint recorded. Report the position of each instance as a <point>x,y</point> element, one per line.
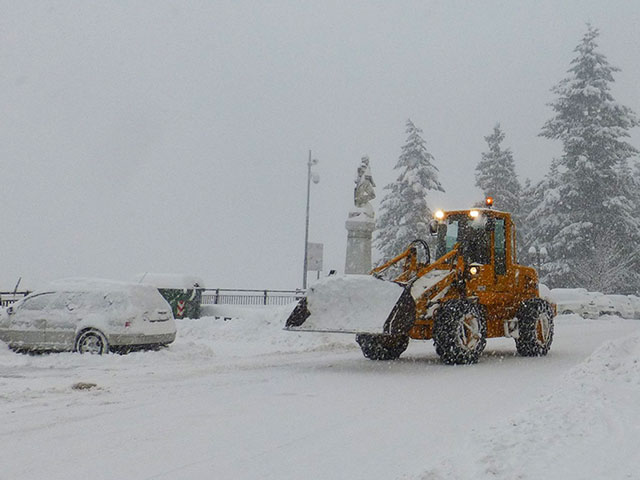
<point>353,304</point>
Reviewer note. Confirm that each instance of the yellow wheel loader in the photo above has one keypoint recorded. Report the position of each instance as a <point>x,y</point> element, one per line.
<point>474,290</point>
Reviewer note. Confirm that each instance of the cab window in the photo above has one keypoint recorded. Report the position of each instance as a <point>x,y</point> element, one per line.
<point>475,247</point>
<point>451,236</point>
<point>448,236</point>
<point>471,233</point>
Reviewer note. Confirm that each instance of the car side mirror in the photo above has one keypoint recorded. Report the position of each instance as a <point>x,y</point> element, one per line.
<point>10,310</point>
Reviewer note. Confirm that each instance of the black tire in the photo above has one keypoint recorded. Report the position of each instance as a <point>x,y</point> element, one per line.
<point>382,347</point>
<point>299,314</point>
<point>93,342</point>
<point>403,315</point>
<point>535,328</point>
<point>460,332</point>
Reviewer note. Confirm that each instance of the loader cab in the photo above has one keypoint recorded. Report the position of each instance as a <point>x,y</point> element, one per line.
<point>472,230</point>
<point>486,237</point>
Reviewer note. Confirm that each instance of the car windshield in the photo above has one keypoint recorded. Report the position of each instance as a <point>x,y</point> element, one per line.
<point>36,302</point>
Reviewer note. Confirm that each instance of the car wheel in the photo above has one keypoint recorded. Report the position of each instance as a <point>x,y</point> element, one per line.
<point>93,342</point>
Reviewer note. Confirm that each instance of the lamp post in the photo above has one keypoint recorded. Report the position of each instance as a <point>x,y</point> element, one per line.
<point>538,254</point>
<point>316,178</point>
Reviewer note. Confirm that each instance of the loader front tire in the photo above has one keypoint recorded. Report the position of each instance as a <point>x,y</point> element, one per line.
<point>535,328</point>
<point>460,332</point>
<point>382,347</point>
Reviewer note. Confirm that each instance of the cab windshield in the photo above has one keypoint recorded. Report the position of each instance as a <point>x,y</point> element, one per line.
<point>471,232</point>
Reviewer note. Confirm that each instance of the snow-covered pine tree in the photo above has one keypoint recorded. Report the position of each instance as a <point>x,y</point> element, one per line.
<point>540,210</point>
<point>496,174</point>
<point>594,212</point>
<point>404,211</point>
<point>528,201</point>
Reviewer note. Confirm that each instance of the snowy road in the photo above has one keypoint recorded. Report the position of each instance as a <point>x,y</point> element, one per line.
<point>231,401</point>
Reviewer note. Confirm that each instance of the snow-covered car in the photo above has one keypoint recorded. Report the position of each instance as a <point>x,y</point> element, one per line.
<point>88,315</point>
<point>575,300</point>
<point>635,302</point>
<point>604,303</point>
<point>622,306</point>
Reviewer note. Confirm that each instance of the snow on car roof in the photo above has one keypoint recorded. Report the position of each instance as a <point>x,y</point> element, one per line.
<point>569,293</point>
<point>90,284</point>
<point>169,280</point>
<point>124,295</point>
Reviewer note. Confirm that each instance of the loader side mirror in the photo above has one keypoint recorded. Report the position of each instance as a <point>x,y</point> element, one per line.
<point>433,227</point>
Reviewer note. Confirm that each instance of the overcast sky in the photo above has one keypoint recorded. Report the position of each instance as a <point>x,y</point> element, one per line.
<point>157,136</point>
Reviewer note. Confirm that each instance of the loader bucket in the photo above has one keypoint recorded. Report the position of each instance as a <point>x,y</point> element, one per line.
<point>354,304</point>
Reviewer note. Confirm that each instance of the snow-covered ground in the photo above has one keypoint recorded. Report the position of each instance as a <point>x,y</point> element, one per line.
<point>243,399</point>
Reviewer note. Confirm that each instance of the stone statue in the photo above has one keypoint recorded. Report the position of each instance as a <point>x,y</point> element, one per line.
<point>364,192</point>
<point>360,222</point>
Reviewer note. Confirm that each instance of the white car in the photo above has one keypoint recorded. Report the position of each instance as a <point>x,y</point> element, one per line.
<point>575,300</point>
<point>604,303</point>
<point>635,301</point>
<point>622,306</point>
<point>88,315</point>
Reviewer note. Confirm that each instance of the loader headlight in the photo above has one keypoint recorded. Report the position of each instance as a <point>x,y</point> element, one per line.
<point>473,270</point>
<point>439,214</point>
<point>474,213</point>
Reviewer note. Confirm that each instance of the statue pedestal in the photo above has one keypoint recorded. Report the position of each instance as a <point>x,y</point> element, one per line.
<point>359,227</point>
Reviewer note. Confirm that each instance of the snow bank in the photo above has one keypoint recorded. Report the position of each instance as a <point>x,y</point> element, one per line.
<point>545,292</point>
<point>588,428</point>
<point>252,331</point>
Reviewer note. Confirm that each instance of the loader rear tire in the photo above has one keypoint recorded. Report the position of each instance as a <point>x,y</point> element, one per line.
<point>382,347</point>
<point>535,328</point>
<point>460,332</point>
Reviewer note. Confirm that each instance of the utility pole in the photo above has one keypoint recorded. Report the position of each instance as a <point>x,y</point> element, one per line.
<point>316,179</point>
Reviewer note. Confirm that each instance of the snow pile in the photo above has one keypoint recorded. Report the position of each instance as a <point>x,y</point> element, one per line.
<point>545,292</point>
<point>588,428</point>
<point>252,331</point>
<point>249,331</point>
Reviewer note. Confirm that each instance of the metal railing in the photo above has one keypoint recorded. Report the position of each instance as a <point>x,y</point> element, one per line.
<point>7,298</point>
<point>227,296</point>
<point>211,296</point>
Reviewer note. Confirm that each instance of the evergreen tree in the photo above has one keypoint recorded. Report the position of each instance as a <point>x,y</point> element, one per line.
<point>540,204</point>
<point>593,208</point>
<point>496,174</point>
<point>404,211</point>
<point>528,201</point>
